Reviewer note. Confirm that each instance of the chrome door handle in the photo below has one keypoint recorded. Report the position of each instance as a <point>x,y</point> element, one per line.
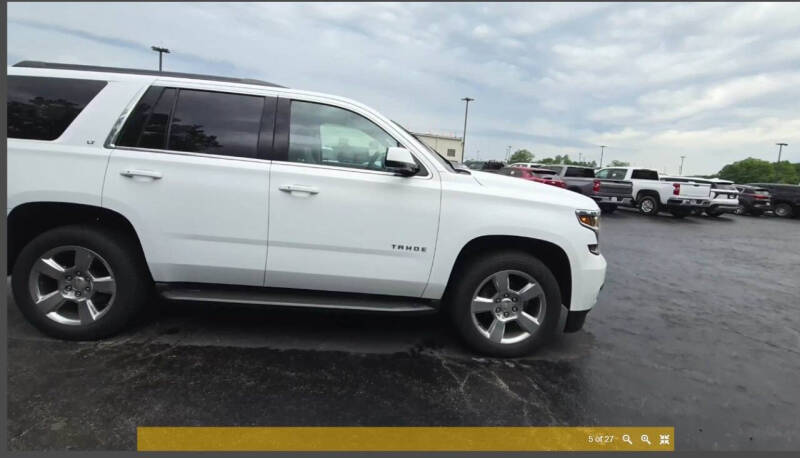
<point>298,188</point>
<point>141,173</point>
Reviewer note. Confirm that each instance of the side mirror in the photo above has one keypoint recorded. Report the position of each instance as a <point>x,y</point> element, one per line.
<point>401,162</point>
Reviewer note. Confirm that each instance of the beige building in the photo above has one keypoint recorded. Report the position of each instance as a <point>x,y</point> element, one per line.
<point>448,146</point>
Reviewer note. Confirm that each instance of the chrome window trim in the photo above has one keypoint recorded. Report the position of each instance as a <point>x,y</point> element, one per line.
<point>353,169</point>
<point>116,129</point>
<point>255,159</point>
<point>189,153</point>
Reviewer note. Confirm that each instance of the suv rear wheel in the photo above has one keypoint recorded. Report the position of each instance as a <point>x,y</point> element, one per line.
<point>506,304</point>
<point>648,205</point>
<point>80,283</point>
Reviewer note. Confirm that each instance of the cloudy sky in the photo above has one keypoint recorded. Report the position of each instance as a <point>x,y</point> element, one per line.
<point>713,82</point>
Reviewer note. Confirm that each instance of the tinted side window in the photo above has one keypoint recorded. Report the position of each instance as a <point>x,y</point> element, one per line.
<point>322,134</point>
<point>129,135</point>
<point>644,174</point>
<point>216,123</point>
<point>154,134</point>
<point>579,172</point>
<point>42,108</point>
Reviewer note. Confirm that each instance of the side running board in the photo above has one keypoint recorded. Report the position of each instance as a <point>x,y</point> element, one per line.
<point>295,298</point>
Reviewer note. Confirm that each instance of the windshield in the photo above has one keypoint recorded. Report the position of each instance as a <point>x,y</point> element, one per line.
<point>442,160</point>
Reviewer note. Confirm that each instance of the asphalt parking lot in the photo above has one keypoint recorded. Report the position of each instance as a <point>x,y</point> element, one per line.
<point>698,327</point>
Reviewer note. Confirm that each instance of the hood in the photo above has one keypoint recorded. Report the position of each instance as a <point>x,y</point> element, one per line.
<point>506,186</point>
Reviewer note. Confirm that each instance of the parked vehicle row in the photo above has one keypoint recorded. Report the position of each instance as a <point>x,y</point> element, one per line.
<point>651,193</point>
<point>753,200</point>
<point>784,198</point>
<point>608,192</point>
<point>724,196</point>
<point>534,174</point>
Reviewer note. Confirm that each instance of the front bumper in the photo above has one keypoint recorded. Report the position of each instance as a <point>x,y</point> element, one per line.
<point>688,203</point>
<point>609,199</point>
<point>588,276</point>
<point>724,207</point>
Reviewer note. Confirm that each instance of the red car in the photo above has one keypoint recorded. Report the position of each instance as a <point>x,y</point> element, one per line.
<point>534,174</point>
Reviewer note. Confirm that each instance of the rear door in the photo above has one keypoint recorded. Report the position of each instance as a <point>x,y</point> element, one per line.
<point>187,171</point>
<point>338,220</point>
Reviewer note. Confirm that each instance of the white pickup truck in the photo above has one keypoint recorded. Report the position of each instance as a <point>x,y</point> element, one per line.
<point>123,183</point>
<point>651,194</point>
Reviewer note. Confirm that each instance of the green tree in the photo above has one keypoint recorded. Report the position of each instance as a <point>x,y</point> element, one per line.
<point>521,155</point>
<point>785,172</point>
<point>616,163</point>
<point>748,170</point>
<point>559,159</point>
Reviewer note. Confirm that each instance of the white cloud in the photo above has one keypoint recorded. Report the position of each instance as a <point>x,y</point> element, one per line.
<point>715,82</point>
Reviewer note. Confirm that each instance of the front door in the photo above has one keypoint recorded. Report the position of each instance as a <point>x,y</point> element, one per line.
<point>338,220</point>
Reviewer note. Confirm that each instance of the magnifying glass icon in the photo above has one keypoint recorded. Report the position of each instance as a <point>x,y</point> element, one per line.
<point>645,438</point>
<point>627,438</point>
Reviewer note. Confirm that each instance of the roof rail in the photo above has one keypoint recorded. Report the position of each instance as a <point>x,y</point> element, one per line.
<point>134,71</point>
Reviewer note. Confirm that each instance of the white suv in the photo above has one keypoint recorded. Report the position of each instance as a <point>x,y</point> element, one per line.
<point>240,191</point>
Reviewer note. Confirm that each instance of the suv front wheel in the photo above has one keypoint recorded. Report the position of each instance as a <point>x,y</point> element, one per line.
<point>80,283</point>
<point>506,304</point>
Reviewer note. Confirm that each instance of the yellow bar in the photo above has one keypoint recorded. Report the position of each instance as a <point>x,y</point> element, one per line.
<point>549,438</point>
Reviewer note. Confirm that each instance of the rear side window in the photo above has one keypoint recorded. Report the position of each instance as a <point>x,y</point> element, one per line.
<point>196,121</point>
<point>42,108</point>
<point>644,174</point>
<point>154,133</point>
<point>216,123</point>
<point>579,172</point>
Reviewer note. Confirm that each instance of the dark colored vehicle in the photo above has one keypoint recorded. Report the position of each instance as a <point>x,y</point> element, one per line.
<point>607,191</point>
<point>532,174</point>
<point>785,198</point>
<point>753,200</point>
<point>485,166</point>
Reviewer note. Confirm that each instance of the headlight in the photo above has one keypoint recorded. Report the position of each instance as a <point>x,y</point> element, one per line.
<point>589,218</point>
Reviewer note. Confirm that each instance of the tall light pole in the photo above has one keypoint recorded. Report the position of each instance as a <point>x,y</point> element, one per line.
<point>680,170</point>
<point>602,148</point>
<point>160,51</point>
<point>780,149</point>
<point>464,137</point>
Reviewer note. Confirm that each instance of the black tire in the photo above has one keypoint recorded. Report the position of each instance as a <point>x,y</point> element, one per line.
<point>649,210</point>
<point>783,210</point>
<point>470,277</point>
<point>681,212</point>
<point>608,208</point>
<point>120,252</point>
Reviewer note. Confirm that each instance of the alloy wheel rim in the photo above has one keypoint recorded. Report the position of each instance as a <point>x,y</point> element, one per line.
<point>72,285</point>
<point>508,307</point>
